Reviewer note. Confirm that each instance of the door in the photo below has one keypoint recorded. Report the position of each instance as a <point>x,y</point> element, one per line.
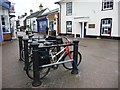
<point>83,29</point>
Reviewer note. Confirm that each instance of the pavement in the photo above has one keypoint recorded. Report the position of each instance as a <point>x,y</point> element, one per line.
<point>98,69</point>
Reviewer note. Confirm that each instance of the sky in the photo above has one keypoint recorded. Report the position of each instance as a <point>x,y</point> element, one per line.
<point>24,6</point>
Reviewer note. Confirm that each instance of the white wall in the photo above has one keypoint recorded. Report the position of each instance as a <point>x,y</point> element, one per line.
<point>91,9</point>
<point>13,26</point>
<point>63,18</point>
<point>119,18</point>
<point>31,20</point>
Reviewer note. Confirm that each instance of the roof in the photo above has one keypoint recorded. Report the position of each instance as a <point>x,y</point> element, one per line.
<point>55,10</point>
<point>51,11</point>
<point>59,1</point>
<point>35,14</point>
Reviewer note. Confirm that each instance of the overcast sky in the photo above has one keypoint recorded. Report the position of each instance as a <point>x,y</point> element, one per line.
<point>22,6</point>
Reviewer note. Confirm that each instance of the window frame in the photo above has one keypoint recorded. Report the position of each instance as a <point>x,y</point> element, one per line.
<point>68,8</point>
<point>68,32</point>
<point>106,23</point>
<point>107,2</point>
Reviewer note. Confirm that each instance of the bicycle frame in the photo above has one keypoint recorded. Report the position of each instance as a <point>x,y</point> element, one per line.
<point>64,50</point>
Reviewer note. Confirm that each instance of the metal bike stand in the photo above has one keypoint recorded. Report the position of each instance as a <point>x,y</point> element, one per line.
<point>26,53</point>
<point>36,75</point>
<point>75,56</point>
<point>20,46</point>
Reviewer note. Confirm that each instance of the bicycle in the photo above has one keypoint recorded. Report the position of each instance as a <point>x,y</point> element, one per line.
<point>29,47</point>
<point>51,58</point>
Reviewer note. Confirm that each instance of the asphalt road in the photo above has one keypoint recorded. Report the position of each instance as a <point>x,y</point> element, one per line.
<point>98,69</point>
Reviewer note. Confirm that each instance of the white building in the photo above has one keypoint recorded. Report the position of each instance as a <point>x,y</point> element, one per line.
<point>4,18</point>
<point>21,22</point>
<point>90,17</point>
<point>31,19</point>
<point>13,26</point>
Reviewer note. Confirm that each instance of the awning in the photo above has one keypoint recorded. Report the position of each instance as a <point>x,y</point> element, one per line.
<point>6,4</point>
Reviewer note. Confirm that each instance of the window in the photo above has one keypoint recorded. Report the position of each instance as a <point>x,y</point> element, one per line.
<point>3,20</point>
<point>106,26</point>
<point>107,5</point>
<point>69,26</point>
<point>69,8</point>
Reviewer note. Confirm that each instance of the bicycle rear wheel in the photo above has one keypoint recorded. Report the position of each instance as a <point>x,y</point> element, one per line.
<point>22,54</point>
<point>43,71</point>
<point>69,64</point>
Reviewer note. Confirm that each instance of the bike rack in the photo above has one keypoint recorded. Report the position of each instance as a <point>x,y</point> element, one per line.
<point>35,48</point>
<point>36,75</point>
<point>23,44</point>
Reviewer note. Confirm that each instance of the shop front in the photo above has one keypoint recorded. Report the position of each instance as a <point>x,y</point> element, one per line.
<point>42,23</point>
<point>53,19</point>
<point>5,22</point>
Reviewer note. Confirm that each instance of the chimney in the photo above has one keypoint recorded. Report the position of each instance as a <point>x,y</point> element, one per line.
<point>25,14</point>
<point>41,7</point>
<point>31,11</point>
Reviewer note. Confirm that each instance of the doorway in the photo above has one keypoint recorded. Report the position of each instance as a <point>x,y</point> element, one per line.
<point>83,29</point>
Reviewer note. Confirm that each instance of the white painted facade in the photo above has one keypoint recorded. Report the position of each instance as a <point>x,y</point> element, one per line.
<point>89,12</point>
<point>33,23</point>
<point>13,27</point>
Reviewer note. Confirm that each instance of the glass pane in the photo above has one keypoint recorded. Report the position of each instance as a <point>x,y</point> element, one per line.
<point>69,8</point>
<point>69,26</point>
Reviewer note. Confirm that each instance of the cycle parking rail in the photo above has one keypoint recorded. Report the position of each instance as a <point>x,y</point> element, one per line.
<point>24,45</point>
<point>26,53</point>
<point>20,46</point>
<point>36,73</point>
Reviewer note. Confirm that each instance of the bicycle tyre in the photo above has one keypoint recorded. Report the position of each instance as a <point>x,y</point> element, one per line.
<point>29,71</point>
<point>22,55</point>
<point>65,65</point>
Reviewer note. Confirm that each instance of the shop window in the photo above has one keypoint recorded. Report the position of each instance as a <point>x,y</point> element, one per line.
<point>69,26</point>
<point>106,26</point>
<point>69,8</point>
<point>107,5</point>
<point>42,25</point>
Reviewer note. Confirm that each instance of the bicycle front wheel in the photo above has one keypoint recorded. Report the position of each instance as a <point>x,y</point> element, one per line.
<point>43,71</point>
<point>22,55</point>
<point>69,64</point>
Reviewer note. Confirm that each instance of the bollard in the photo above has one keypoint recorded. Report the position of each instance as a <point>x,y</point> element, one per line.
<point>75,57</point>
<point>59,41</point>
<point>36,75</point>
<point>20,46</point>
<point>26,53</point>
